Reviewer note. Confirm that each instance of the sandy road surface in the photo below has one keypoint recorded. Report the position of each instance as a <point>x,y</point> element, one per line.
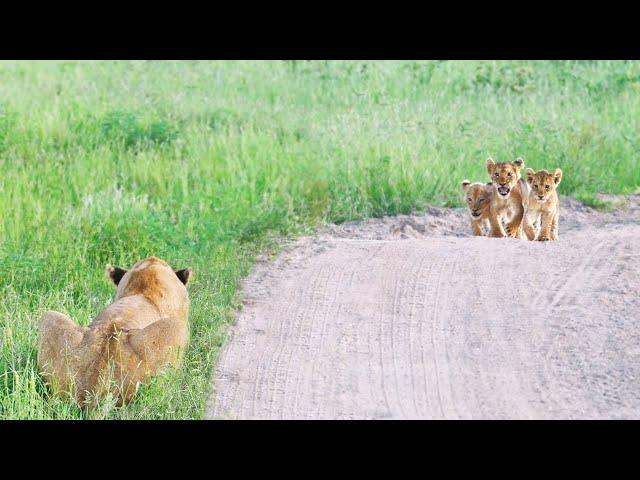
<point>410,317</point>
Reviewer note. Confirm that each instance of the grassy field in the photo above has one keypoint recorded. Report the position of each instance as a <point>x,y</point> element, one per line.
<point>204,164</point>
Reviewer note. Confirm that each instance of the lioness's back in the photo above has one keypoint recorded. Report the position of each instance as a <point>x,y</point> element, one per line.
<point>143,329</point>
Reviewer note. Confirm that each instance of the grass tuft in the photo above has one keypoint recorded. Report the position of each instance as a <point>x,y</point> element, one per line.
<point>128,129</point>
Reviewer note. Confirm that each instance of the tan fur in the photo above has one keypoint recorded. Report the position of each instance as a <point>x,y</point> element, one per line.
<point>542,206</point>
<point>509,208</point>
<point>145,328</point>
<point>478,198</point>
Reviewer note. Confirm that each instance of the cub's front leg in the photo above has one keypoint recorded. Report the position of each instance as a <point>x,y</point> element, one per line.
<point>554,227</point>
<point>546,220</point>
<point>513,227</point>
<point>496,230</point>
<point>476,227</point>
<point>529,230</point>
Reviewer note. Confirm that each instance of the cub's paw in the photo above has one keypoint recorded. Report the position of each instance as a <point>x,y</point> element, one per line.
<point>512,232</point>
<point>495,234</point>
<point>543,238</point>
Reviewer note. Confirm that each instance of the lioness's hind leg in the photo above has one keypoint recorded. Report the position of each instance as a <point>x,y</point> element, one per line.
<point>158,343</point>
<point>58,335</point>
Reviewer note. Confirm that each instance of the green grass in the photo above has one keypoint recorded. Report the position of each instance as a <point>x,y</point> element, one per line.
<point>206,163</point>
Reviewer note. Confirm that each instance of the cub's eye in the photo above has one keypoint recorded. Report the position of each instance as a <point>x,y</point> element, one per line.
<point>480,200</point>
<point>535,185</point>
<point>468,199</point>
<point>547,187</point>
<point>496,174</point>
<point>509,174</point>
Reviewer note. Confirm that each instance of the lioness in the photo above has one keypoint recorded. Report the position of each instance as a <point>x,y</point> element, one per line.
<point>542,206</point>
<point>507,201</point>
<point>478,196</point>
<point>144,328</point>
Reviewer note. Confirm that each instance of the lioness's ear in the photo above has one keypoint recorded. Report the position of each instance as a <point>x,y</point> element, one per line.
<point>465,184</point>
<point>183,275</point>
<point>530,172</point>
<point>115,273</point>
<point>518,162</point>
<point>491,165</point>
<point>557,176</point>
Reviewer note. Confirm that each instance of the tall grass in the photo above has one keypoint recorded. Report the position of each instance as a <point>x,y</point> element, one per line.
<point>205,163</point>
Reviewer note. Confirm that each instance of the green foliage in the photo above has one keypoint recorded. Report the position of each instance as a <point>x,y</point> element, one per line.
<point>127,128</point>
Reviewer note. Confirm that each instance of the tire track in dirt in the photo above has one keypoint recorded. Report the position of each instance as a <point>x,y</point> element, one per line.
<point>409,317</point>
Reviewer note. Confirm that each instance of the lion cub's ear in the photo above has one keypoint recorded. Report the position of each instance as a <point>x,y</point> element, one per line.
<point>530,172</point>
<point>183,275</point>
<point>465,184</point>
<point>557,176</point>
<point>115,273</point>
<point>518,162</point>
<point>491,165</point>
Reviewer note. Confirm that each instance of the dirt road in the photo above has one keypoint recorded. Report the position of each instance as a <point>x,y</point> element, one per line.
<point>410,317</point>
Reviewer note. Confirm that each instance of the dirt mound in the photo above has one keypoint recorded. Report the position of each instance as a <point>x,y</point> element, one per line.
<point>453,221</point>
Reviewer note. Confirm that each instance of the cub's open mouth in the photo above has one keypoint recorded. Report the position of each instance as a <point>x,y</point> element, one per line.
<point>475,215</point>
<point>504,191</point>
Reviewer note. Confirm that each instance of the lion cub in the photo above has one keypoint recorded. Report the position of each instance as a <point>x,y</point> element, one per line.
<point>507,200</point>
<point>144,328</point>
<point>542,206</point>
<point>478,198</point>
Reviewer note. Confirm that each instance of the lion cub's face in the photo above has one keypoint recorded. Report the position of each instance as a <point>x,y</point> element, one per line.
<point>151,276</point>
<point>504,175</point>
<point>477,197</point>
<point>543,183</point>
